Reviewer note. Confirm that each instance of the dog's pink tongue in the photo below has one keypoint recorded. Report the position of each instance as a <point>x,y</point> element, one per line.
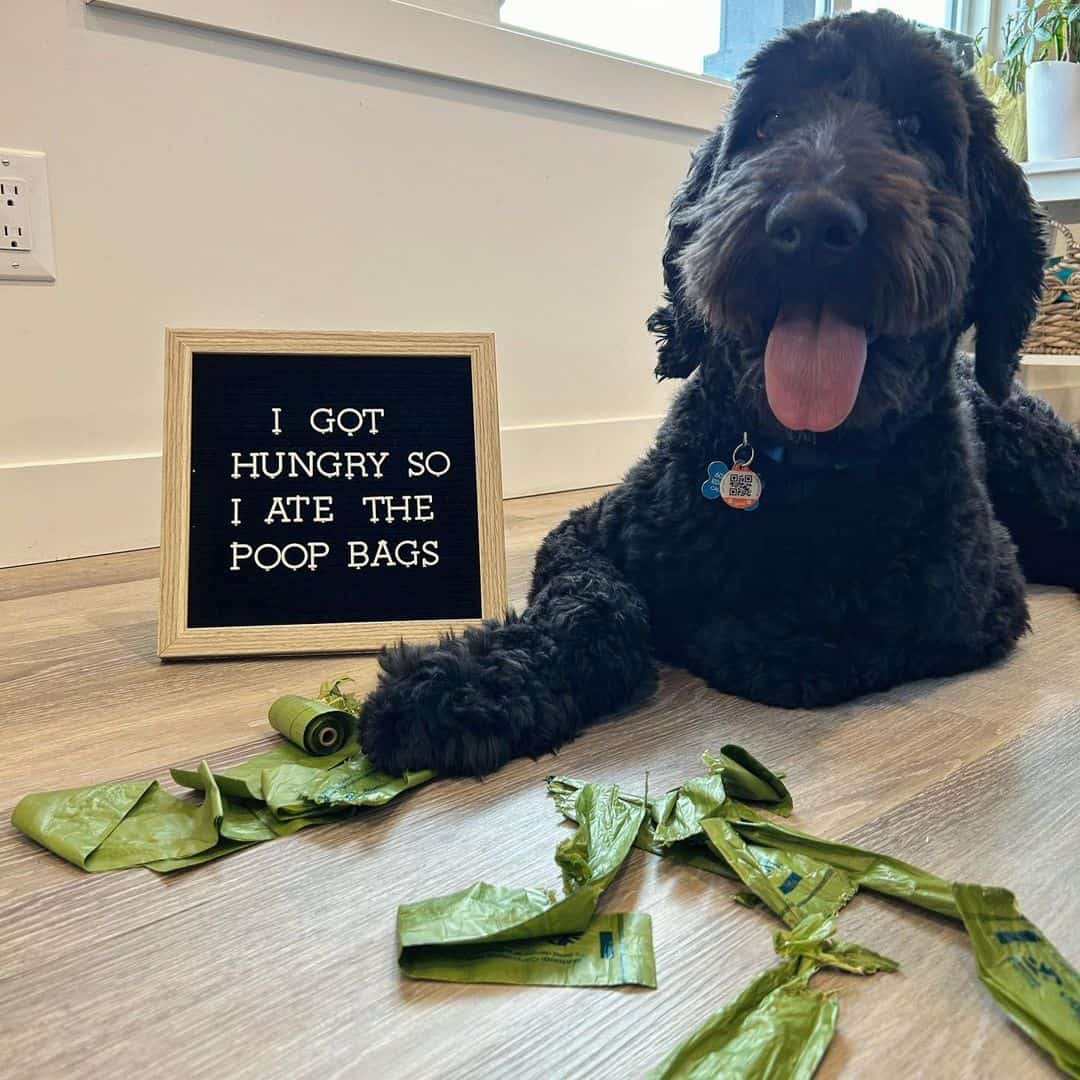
<point>813,366</point>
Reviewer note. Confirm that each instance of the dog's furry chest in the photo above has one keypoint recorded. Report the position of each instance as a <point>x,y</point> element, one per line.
<point>878,547</point>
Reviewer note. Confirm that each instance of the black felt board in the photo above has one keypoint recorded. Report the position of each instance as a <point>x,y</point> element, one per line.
<point>427,403</point>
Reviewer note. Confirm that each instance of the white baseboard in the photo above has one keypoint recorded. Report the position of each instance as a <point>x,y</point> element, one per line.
<point>65,509</point>
<point>562,457</point>
<point>90,506</point>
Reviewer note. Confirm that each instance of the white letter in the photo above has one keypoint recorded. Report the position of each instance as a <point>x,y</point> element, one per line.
<point>236,553</point>
<point>329,422</point>
<point>277,510</point>
<point>355,461</point>
<point>276,429</point>
<point>335,457</point>
<point>377,460</point>
<point>237,464</point>
<point>356,424</point>
<point>410,546</point>
<point>382,552</point>
<point>438,453</point>
<point>258,557</point>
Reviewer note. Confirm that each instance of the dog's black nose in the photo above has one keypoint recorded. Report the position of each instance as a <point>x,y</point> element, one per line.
<point>815,225</point>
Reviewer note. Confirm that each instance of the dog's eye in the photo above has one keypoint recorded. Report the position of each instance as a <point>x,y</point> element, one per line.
<point>767,124</point>
<point>910,124</point>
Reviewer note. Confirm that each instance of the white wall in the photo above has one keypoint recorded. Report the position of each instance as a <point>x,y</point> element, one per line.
<point>199,179</point>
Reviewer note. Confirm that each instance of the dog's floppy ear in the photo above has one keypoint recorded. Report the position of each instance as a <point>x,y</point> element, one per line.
<point>1009,251</point>
<point>682,335</point>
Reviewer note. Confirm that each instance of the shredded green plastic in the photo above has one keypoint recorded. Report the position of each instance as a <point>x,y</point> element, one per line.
<point>114,826</point>
<point>806,880</point>
<point>793,885</point>
<point>867,869</point>
<point>777,1028</point>
<point>1029,978</point>
<point>118,825</point>
<point>464,937</point>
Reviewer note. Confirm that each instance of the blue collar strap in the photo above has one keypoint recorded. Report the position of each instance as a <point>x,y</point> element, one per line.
<point>812,457</point>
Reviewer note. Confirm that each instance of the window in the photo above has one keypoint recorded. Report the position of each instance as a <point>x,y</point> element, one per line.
<point>705,37</point>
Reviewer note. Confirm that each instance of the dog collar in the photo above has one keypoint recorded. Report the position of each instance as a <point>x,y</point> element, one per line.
<point>740,487</point>
<point>812,457</point>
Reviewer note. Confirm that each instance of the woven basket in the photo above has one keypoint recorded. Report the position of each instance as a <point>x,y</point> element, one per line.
<point>1056,329</point>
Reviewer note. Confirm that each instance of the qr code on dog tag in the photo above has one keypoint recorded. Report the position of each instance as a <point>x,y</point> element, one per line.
<point>740,487</point>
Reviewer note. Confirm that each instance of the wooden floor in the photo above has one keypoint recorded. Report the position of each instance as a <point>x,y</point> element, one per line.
<point>280,961</point>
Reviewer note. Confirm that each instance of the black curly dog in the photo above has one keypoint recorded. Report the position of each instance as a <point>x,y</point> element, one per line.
<point>830,244</point>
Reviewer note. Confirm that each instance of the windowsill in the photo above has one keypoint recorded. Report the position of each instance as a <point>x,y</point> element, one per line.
<point>1053,181</point>
<point>401,35</point>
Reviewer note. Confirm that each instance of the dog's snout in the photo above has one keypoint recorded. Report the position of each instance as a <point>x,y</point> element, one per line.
<point>816,226</point>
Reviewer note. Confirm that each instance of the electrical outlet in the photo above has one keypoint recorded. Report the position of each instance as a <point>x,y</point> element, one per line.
<point>26,250</point>
<point>14,213</point>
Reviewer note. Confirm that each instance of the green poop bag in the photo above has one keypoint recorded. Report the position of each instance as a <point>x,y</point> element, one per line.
<point>494,933</point>
<point>612,950</point>
<point>793,885</point>
<point>113,826</point>
<point>777,1028</point>
<point>867,869</point>
<point>672,823</point>
<point>317,726</point>
<point>1030,979</point>
<point>315,777</point>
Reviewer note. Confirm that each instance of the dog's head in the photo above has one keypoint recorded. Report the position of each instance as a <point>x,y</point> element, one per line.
<point>855,206</point>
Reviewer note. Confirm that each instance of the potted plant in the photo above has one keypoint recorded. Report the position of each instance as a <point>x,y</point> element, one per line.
<point>1042,48</point>
<point>1003,84</point>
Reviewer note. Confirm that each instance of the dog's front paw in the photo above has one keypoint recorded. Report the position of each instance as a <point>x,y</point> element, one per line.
<point>443,707</point>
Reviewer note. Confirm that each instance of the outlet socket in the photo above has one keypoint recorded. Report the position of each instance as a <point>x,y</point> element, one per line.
<point>26,249</point>
<point>14,213</point>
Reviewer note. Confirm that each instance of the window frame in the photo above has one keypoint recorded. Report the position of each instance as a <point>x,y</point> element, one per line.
<point>401,35</point>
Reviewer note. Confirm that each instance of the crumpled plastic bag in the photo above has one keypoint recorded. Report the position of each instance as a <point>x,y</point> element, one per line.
<point>792,884</point>
<point>806,880</point>
<point>118,825</point>
<point>114,826</point>
<point>777,1028</point>
<point>813,939</point>
<point>867,869</point>
<point>497,933</point>
<point>672,823</point>
<point>1030,979</point>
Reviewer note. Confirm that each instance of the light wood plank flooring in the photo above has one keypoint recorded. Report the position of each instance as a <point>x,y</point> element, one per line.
<point>280,961</point>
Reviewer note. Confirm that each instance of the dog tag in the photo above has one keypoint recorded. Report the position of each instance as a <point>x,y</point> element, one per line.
<point>740,487</point>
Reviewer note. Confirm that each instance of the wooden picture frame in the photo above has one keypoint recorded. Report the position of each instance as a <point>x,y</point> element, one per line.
<point>178,639</point>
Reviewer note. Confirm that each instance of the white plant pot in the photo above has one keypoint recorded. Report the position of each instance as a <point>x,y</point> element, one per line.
<point>1053,110</point>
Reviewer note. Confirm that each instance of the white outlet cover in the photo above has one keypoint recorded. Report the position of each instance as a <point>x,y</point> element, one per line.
<point>39,263</point>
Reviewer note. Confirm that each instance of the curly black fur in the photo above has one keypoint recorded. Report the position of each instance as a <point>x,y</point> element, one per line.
<point>883,550</point>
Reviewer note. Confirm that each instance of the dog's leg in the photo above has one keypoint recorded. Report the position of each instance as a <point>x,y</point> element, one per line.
<point>523,686</point>
<point>1033,475</point>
